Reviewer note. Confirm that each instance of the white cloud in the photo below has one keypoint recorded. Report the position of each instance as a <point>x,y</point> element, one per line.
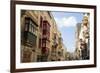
<point>66,22</point>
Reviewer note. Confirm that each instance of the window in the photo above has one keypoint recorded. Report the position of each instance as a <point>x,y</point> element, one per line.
<point>38,58</point>
<point>59,53</point>
<point>27,24</point>
<point>27,20</point>
<point>26,27</point>
<point>40,42</point>
<point>43,44</point>
<point>30,28</point>
<point>30,25</point>
<point>55,36</point>
<point>41,20</point>
<point>44,58</point>
<point>48,27</point>
<point>44,32</point>
<point>44,26</point>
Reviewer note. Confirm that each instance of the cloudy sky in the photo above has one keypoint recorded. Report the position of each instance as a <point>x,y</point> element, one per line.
<point>66,22</point>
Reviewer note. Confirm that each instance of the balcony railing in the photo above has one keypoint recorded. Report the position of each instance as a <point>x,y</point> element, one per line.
<point>29,39</point>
